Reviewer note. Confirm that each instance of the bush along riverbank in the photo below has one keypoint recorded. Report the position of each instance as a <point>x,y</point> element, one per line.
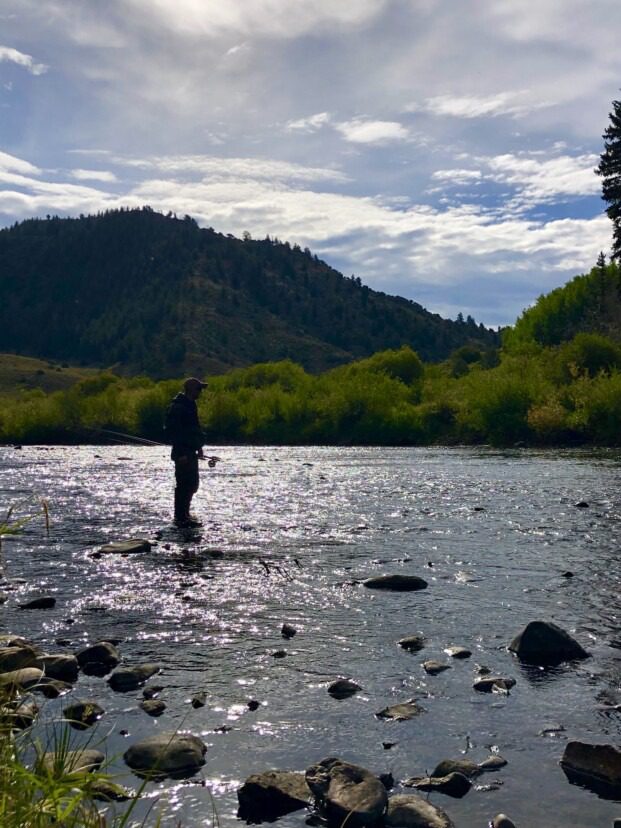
<point>566,394</point>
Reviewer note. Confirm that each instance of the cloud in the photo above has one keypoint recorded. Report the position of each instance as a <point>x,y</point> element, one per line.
<point>9,55</point>
<point>93,175</point>
<point>9,163</point>
<point>490,106</point>
<point>310,124</point>
<point>361,131</point>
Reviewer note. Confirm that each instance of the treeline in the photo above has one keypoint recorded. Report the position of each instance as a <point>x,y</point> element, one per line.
<point>156,294</point>
<point>567,394</point>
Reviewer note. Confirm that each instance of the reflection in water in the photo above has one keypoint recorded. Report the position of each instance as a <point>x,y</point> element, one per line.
<point>492,532</point>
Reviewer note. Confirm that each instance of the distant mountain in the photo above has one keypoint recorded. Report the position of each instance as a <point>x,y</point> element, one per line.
<point>590,303</point>
<point>157,294</point>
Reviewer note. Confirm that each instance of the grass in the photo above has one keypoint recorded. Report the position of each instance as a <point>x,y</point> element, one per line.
<point>19,373</point>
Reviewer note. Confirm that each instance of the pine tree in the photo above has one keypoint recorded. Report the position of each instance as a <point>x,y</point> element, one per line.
<point>610,170</point>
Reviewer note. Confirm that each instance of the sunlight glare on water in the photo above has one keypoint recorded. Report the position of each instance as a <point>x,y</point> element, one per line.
<point>288,536</point>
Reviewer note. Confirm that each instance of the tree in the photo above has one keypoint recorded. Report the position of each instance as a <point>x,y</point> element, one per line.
<point>610,170</point>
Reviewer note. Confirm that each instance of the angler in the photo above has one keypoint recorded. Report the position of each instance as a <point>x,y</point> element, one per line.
<point>183,430</point>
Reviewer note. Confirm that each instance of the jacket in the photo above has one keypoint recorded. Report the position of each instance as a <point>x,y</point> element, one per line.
<point>182,427</point>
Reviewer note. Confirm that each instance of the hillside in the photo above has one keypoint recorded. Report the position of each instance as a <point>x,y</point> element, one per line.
<point>156,294</point>
<point>590,303</point>
<point>25,373</point>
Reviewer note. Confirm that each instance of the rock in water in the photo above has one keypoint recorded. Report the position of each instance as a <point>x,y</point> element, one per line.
<point>16,658</point>
<point>343,688</point>
<point>167,754</point>
<point>126,547</point>
<point>434,668</point>
<point>72,761</point>
<point>272,794</point>
<point>545,644</point>
<point>462,766</point>
<point>502,821</point>
<point>102,655</point>
<point>401,712</point>
<point>488,683</point>
<point>46,602</point>
<point>591,765</point>
<point>154,707</point>
<point>21,679</point>
<point>287,631</point>
<point>409,811</point>
<point>346,792</point>
<point>454,784</point>
<point>130,678</point>
<point>412,643</point>
<point>83,714</point>
<point>62,667</point>
<point>396,583</point>
<point>458,652</point>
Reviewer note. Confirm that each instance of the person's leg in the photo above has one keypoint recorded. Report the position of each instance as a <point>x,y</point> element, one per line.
<point>186,476</point>
<point>192,482</point>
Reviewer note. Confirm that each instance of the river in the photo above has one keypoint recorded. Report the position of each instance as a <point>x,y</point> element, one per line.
<point>288,533</point>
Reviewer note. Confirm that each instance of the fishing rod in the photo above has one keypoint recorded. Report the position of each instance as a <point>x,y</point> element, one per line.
<point>212,459</point>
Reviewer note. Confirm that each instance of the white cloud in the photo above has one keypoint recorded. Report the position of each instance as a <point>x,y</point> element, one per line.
<point>310,124</point>
<point>457,176</point>
<point>93,175</point>
<point>471,106</point>
<point>9,163</point>
<point>361,131</point>
<point>9,55</point>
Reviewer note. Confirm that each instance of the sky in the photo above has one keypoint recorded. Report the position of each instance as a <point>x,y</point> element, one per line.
<point>442,150</point>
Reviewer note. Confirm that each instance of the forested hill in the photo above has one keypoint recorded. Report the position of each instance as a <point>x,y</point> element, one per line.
<point>157,294</point>
<point>590,303</point>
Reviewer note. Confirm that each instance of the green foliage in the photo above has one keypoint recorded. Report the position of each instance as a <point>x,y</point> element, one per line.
<point>588,353</point>
<point>610,170</point>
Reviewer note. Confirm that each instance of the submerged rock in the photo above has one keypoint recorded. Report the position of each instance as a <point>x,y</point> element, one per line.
<point>346,792</point>
<point>343,688</point>
<point>593,766</point>
<point>83,714</point>
<point>130,678</point>
<point>453,784</point>
<point>410,811</point>
<point>546,644</point>
<point>401,712</point>
<point>167,754</point>
<point>128,547</point>
<point>46,602</point>
<point>396,583</point>
<point>272,794</point>
<point>412,643</point>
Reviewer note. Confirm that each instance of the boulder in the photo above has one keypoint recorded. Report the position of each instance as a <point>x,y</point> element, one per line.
<point>103,654</point>
<point>19,715</point>
<point>287,631</point>
<point>463,766</point>
<point>486,684</point>
<point>130,678</point>
<point>458,652</point>
<point>401,712</point>
<point>453,784</point>
<point>412,643</point>
<point>493,763</point>
<point>16,658</point>
<point>546,644</point>
<point>128,547</point>
<point>104,790</point>
<point>198,700</point>
<point>593,766</point>
<point>435,667</point>
<point>72,761</point>
<point>410,811</point>
<point>62,667</point>
<point>52,688</point>
<point>21,679</point>
<point>396,583</point>
<point>343,688</point>
<point>346,792</point>
<point>154,707</point>
<point>272,794</point>
<point>502,821</point>
<point>167,754</point>
<point>83,714</point>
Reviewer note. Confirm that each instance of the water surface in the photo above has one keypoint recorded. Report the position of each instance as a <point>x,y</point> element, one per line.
<point>287,534</point>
